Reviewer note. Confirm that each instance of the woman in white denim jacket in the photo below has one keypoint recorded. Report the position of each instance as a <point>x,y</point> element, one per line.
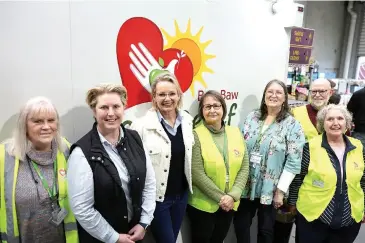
<point>167,134</point>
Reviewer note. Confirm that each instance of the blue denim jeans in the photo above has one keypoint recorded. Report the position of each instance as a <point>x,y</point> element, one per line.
<point>168,218</point>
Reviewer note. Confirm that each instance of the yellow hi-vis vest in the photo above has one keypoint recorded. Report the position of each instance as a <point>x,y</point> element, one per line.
<point>215,167</point>
<point>319,185</point>
<point>9,232</point>
<point>301,114</point>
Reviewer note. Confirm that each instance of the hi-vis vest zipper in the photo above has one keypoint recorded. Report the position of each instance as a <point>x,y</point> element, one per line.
<point>9,232</point>
<point>301,114</point>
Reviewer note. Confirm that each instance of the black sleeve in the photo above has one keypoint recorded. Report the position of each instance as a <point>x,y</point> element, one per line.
<point>352,105</point>
<point>362,182</point>
<point>298,179</point>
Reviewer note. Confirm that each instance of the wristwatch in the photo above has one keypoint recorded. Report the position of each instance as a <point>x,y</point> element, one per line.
<point>145,226</point>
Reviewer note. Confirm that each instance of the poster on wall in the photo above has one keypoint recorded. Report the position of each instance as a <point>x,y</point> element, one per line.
<point>360,70</point>
<point>301,42</point>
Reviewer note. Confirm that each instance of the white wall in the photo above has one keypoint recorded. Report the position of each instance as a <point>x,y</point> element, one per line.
<point>60,49</point>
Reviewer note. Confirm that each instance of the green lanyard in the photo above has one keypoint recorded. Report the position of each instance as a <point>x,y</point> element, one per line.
<point>52,194</point>
<point>259,138</point>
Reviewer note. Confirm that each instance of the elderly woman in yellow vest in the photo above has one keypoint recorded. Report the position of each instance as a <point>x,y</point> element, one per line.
<point>275,142</point>
<point>33,190</point>
<point>219,171</point>
<point>331,185</point>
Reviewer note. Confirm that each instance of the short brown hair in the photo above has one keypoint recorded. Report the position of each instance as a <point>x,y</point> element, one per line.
<point>216,95</point>
<point>166,77</point>
<point>100,89</point>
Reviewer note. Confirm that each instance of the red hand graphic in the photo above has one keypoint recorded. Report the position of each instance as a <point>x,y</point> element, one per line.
<point>141,30</point>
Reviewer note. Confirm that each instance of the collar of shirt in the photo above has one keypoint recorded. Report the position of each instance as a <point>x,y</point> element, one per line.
<point>349,145</point>
<point>177,122</point>
<point>106,142</point>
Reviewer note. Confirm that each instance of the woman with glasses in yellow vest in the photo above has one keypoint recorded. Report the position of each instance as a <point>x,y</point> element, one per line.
<point>219,172</point>
<point>34,205</point>
<point>329,192</point>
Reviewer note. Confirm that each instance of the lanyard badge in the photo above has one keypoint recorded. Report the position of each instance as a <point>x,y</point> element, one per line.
<point>58,213</point>
<point>255,159</point>
<point>255,156</point>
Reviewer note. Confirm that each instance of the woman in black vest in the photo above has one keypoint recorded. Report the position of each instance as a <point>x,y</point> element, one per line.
<point>111,180</point>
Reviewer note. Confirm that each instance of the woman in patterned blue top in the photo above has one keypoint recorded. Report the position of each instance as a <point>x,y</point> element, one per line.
<point>275,143</point>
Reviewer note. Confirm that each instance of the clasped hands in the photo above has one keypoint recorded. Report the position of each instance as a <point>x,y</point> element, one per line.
<point>226,203</point>
<point>135,234</point>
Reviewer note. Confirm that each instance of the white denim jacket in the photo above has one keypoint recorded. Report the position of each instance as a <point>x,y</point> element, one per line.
<point>158,145</point>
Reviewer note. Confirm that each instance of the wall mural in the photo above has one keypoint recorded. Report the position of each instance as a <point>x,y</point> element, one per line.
<point>142,53</point>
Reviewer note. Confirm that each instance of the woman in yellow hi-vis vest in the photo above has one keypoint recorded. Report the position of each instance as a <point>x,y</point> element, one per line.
<point>219,172</point>
<point>34,205</point>
<point>329,192</point>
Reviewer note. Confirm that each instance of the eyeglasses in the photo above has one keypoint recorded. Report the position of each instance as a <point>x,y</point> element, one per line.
<point>322,92</point>
<point>215,107</point>
<point>164,95</point>
<point>272,92</point>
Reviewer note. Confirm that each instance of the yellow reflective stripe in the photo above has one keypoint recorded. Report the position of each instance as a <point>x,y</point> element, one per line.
<point>72,236</point>
<point>61,163</point>
<point>70,224</point>
<point>3,220</point>
<point>15,219</point>
<point>66,142</point>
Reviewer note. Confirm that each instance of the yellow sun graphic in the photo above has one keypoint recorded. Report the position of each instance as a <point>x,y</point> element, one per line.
<point>194,48</point>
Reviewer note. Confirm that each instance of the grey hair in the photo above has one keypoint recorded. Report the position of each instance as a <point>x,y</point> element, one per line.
<point>321,116</point>
<point>19,144</point>
<point>166,77</point>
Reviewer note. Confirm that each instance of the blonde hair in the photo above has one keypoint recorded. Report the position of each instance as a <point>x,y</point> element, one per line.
<point>95,92</point>
<point>19,145</point>
<point>166,77</point>
<point>321,116</point>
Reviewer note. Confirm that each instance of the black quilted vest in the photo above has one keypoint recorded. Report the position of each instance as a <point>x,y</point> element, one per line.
<point>109,196</point>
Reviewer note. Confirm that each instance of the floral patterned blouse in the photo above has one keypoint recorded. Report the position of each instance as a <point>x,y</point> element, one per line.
<point>281,148</point>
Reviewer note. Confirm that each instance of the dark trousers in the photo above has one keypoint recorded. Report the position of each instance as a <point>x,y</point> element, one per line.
<point>168,218</point>
<point>209,227</point>
<point>319,232</point>
<point>243,220</point>
<point>282,232</point>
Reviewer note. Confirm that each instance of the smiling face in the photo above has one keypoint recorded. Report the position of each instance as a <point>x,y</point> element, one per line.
<point>212,111</point>
<point>320,93</point>
<point>166,96</point>
<point>274,96</point>
<point>42,128</point>
<point>335,123</point>
<point>108,112</point>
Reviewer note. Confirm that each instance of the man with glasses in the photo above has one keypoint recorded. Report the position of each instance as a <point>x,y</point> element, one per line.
<point>319,95</point>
